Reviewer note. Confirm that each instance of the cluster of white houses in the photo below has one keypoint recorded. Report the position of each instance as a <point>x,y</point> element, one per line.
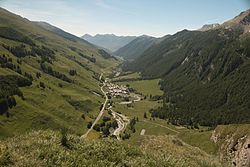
<point>118,91</point>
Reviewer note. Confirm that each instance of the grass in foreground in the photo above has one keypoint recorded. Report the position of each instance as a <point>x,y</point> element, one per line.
<point>49,148</point>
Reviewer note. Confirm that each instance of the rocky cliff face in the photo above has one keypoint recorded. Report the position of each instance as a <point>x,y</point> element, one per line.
<point>234,147</point>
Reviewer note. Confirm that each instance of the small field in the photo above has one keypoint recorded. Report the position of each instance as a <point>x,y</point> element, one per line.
<point>146,87</point>
<point>127,76</point>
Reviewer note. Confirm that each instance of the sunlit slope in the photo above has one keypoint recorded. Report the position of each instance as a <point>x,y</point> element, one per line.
<point>64,73</point>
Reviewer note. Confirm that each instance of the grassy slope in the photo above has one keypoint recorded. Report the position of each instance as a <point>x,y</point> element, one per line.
<point>43,148</point>
<point>50,107</point>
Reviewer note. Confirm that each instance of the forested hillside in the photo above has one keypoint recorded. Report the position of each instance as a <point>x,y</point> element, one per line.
<point>205,75</point>
<point>136,47</point>
<point>46,77</point>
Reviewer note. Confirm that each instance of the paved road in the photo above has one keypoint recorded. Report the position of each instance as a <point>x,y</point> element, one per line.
<point>101,112</point>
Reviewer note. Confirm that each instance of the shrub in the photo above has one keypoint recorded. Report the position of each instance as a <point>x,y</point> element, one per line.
<point>42,85</point>
<point>89,125</point>
<point>83,116</point>
<point>38,75</point>
<point>72,72</point>
<point>3,106</point>
<point>105,118</point>
<point>97,127</point>
<point>60,85</point>
<point>64,138</point>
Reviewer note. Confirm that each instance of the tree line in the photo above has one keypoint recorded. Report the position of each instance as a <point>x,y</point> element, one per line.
<point>9,86</point>
<point>49,70</point>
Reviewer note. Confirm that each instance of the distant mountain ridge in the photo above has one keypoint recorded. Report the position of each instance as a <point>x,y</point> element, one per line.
<point>242,20</point>
<point>136,47</point>
<point>108,41</point>
<point>60,32</point>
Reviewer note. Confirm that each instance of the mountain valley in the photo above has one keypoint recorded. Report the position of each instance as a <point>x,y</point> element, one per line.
<point>107,100</point>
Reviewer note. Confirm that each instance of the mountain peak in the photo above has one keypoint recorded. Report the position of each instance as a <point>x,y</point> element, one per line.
<point>145,36</point>
<point>238,19</point>
<point>246,18</point>
<point>243,20</point>
<point>207,27</point>
<point>86,36</point>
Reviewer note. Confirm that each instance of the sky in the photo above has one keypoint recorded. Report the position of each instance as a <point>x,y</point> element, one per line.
<point>127,17</point>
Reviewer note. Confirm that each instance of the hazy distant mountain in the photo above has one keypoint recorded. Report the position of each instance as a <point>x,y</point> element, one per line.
<point>109,41</point>
<point>136,47</point>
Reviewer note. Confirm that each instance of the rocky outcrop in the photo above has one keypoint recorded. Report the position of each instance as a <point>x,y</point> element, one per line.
<point>207,27</point>
<point>234,148</point>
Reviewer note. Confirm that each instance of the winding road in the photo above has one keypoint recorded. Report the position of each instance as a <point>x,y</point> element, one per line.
<point>101,112</point>
<point>122,122</point>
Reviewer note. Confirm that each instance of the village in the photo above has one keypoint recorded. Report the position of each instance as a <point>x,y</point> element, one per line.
<point>117,90</point>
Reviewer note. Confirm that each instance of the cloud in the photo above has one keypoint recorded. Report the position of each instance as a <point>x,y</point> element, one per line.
<point>45,10</point>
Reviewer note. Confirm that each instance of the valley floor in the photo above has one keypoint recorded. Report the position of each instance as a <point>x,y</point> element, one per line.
<point>181,146</point>
<point>152,142</point>
<point>151,127</point>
